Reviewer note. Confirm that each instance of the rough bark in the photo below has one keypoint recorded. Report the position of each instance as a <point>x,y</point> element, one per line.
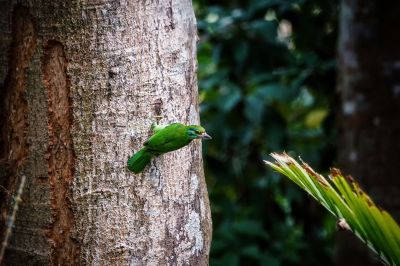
<point>81,83</point>
<point>369,65</point>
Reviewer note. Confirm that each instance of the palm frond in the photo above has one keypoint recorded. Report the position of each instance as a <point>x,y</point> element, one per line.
<point>354,209</point>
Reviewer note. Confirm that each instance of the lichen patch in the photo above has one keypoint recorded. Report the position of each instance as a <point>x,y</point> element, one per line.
<point>193,230</point>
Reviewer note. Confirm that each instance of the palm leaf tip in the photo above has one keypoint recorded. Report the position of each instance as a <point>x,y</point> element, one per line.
<point>315,175</point>
<point>342,225</point>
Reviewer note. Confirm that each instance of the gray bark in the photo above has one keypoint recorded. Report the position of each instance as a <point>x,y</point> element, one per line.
<point>81,83</point>
<point>369,68</point>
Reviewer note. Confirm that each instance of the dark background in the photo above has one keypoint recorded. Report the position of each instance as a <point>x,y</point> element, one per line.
<point>267,80</point>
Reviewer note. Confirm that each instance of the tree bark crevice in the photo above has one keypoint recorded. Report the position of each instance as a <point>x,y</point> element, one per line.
<point>13,106</point>
<point>60,157</point>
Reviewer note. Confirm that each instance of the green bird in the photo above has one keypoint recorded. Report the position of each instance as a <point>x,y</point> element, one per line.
<point>165,139</point>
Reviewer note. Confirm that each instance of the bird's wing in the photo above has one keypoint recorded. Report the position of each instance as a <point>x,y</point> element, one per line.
<point>167,139</point>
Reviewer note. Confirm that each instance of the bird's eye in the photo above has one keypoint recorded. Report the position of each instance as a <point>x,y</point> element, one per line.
<point>197,132</point>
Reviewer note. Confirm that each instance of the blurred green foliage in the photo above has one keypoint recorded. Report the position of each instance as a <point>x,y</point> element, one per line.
<point>267,83</point>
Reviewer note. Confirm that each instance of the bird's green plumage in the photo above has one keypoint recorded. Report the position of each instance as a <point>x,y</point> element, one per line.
<point>169,138</point>
<point>139,160</point>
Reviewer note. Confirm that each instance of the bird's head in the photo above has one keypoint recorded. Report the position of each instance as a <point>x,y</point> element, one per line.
<point>197,132</point>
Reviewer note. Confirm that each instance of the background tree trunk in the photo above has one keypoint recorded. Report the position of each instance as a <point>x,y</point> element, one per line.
<point>369,65</point>
<point>81,83</point>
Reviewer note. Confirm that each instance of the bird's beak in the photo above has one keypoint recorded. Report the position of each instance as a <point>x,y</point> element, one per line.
<point>205,136</point>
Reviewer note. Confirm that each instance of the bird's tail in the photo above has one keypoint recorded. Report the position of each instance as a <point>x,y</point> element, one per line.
<point>139,161</point>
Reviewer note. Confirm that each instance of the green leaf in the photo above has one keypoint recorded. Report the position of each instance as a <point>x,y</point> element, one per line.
<point>316,117</point>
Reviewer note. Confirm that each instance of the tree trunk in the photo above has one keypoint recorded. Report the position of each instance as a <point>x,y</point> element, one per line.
<point>81,83</point>
<point>369,65</point>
